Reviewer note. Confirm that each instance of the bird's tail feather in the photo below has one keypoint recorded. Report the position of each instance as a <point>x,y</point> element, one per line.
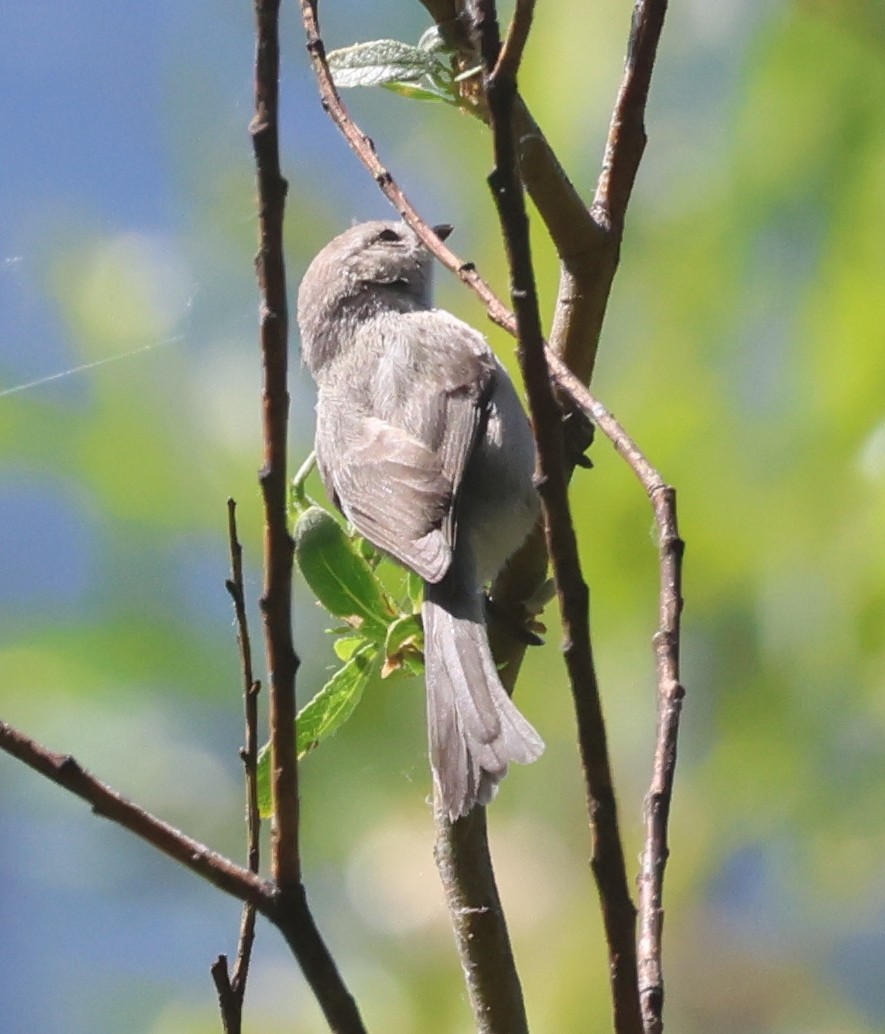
<point>475,728</point>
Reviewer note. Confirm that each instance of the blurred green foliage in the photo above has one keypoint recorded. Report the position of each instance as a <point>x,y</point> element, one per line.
<point>744,351</point>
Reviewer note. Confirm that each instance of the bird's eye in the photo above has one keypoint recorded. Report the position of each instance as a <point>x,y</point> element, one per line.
<point>388,235</point>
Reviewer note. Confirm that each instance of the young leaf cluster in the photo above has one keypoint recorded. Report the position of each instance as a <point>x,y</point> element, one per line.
<point>377,634</point>
<point>423,72</point>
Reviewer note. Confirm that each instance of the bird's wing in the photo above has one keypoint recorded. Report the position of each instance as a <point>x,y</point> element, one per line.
<point>455,371</point>
<point>399,469</point>
<point>392,489</point>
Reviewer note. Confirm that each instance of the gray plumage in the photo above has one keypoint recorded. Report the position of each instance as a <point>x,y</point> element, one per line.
<point>423,444</point>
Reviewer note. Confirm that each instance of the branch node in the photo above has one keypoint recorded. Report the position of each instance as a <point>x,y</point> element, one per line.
<point>69,766</point>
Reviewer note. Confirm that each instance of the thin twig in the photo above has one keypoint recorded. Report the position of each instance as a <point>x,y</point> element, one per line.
<point>291,914</point>
<point>230,1004</point>
<point>276,601</point>
<point>249,753</point>
<point>657,802</point>
<point>590,252</point>
<point>67,772</point>
<point>607,859</point>
<point>626,136</point>
<point>288,912</point>
<point>587,240</point>
<point>670,693</point>
<point>232,989</point>
<point>253,822</point>
<point>510,56</point>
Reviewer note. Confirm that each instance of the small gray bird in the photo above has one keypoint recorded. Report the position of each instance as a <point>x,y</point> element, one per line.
<point>422,443</point>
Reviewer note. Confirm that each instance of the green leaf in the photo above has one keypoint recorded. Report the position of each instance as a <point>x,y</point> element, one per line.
<point>404,646</point>
<point>298,499</point>
<point>415,589</point>
<point>406,630</point>
<point>323,716</point>
<point>418,72</point>
<point>425,92</point>
<point>380,62</point>
<point>347,645</point>
<point>339,576</point>
<point>366,550</point>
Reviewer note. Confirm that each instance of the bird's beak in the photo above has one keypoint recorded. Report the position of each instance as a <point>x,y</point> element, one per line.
<point>443,230</point>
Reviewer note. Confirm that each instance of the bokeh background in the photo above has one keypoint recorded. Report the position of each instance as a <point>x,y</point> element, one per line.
<point>743,348</point>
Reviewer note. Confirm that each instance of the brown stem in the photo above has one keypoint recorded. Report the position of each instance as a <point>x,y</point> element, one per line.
<point>670,694</point>
<point>229,1002</point>
<point>232,989</point>
<point>65,770</point>
<point>587,240</point>
<point>249,753</point>
<point>626,136</point>
<point>607,860</point>
<point>288,912</point>
<point>510,55</point>
<point>590,251</point>
<point>276,601</point>
<point>657,802</point>
<point>293,918</point>
<point>465,868</point>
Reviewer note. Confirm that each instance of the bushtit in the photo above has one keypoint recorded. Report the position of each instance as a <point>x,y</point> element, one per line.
<point>422,443</point>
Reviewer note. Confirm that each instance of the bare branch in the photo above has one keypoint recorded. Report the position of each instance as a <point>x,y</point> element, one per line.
<point>249,753</point>
<point>510,56</point>
<point>65,770</point>
<point>670,694</point>
<point>465,868</point>
<point>587,240</point>
<point>607,859</point>
<point>657,802</point>
<point>232,990</point>
<point>253,822</point>
<point>590,249</point>
<point>276,601</point>
<point>293,918</point>
<point>230,1004</point>
<point>626,136</point>
<point>290,913</point>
